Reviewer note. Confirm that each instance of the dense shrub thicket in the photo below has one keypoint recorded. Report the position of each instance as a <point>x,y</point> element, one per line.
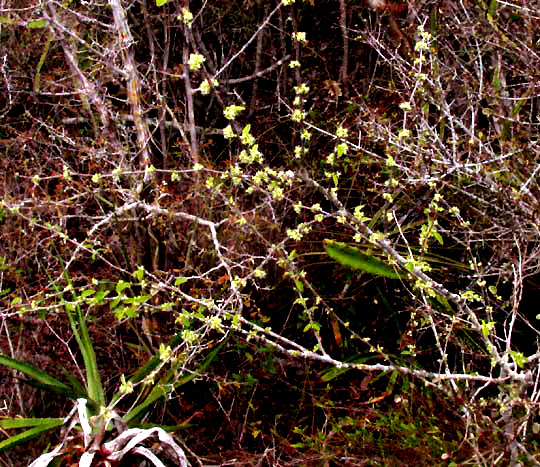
<point>340,198</point>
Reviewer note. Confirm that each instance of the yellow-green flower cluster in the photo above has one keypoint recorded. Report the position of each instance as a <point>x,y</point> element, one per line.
<point>206,86</point>
<point>454,210</point>
<point>299,150</point>
<point>228,132</point>
<point>116,173</point>
<point>246,137</point>
<point>126,387</point>
<point>300,36</point>
<point>405,106</point>
<point>305,135</point>
<point>236,174</point>
<point>195,61</point>
<point>301,90</point>
<point>404,133</point>
<point>390,161</point>
<point>165,352</point>
<point>334,176</point>
<point>434,206</point>
<point>470,296</point>
<point>186,17</point>
<point>342,132</point>
<point>298,233</point>
<point>298,115</point>
<point>215,323</point>
<point>274,181</point>
<point>392,182</point>
<point>210,183</point>
<point>259,273</point>
<point>189,336</point>
<point>287,2</point>
<point>238,282</point>
<point>359,213</point>
<point>251,156</point>
<point>232,111</point>
<point>424,40</point>
<point>341,149</point>
<point>276,190</point>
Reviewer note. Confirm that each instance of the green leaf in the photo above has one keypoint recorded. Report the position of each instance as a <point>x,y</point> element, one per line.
<point>37,24</point>
<point>13,423</point>
<point>519,358</point>
<point>16,301</point>
<point>87,293</point>
<point>487,327</point>
<point>161,2</point>
<point>139,273</point>
<point>179,281</point>
<point>137,300</point>
<point>44,379</point>
<point>437,236</point>
<point>123,312</point>
<point>42,426</point>
<point>98,299</point>
<point>121,286</point>
<point>356,259</point>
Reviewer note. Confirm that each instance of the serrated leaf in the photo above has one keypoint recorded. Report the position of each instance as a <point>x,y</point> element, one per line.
<point>356,259</point>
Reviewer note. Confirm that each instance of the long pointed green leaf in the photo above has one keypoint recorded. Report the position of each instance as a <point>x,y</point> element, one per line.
<point>12,423</point>
<point>76,385</point>
<point>95,388</point>
<point>46,425</point>
<point>356,259</point>
<point>80,331</point>
<point>37,375</point>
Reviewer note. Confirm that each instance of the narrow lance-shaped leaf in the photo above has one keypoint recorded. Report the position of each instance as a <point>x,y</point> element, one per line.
<point>39,426</point>
<point>77,322</point>
<point>43,379</point>
<point>356,259</point>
